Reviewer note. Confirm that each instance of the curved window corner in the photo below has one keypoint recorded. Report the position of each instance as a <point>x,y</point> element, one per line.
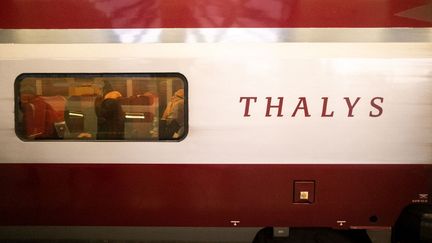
<point>101,107</point>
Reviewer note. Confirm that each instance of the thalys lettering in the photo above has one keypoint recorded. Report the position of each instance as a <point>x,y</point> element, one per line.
<point>276,106</point>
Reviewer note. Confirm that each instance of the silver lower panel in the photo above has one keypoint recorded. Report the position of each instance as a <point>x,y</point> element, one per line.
<point>215,35</point>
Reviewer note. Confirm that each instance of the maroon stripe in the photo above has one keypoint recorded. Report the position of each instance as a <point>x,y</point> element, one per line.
<point>205,195</point>
<point>49,14</point>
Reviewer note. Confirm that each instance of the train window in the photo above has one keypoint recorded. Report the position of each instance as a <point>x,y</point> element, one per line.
<point>144,107</point>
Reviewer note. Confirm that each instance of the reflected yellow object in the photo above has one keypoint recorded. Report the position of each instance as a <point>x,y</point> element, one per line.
<point>113,95</point>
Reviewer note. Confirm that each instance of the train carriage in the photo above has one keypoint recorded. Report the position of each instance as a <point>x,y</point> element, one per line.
<point>299,114</point>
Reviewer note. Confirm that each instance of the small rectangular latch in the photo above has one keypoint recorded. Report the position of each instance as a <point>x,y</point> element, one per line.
<point>304,192</point>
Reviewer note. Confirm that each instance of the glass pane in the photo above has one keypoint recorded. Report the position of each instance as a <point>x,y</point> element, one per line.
<point>148,107</point>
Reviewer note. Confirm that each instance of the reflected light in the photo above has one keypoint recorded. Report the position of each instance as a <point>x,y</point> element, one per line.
<point>76,114</point>
<point>135,116</point>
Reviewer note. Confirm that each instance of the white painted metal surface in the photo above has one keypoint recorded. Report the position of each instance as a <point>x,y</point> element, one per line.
<point>219,74</point>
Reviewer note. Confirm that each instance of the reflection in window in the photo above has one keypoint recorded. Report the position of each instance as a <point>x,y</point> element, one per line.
<point>147,107</point>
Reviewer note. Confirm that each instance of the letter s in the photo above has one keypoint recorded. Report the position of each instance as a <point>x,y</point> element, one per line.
<point>377,107</point>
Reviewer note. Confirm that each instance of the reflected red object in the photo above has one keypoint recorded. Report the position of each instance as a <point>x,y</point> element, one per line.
<point>52,14</point>
<point>40,115</point>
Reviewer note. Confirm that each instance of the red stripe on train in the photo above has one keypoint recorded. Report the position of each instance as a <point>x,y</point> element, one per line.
<point>53,14</point>
<point>206,195</point>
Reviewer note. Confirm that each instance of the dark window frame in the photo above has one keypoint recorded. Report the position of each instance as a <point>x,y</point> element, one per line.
<point>17,102</point>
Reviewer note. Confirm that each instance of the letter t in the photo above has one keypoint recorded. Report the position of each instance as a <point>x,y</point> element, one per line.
<point>248,99</point>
